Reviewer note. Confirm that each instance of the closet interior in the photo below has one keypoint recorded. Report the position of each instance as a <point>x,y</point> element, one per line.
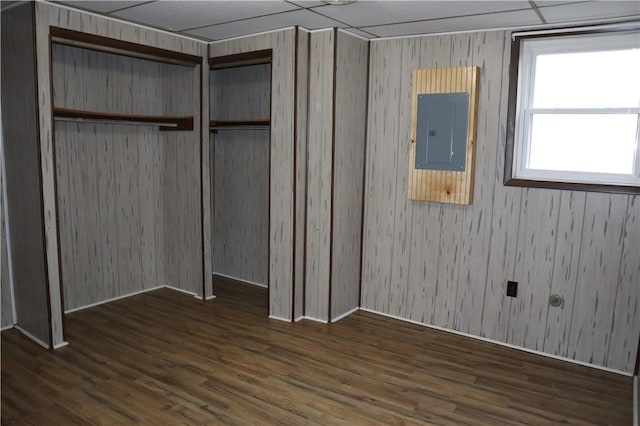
<point>240,132</point>
<point>127,163</point>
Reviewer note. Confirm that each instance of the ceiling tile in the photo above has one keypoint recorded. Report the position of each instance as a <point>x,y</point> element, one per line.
<point>368,13</point>
<point>302,17</point>
<point>102,6</point>
<point>495,20</point>
<point>307,3</point>
<point>592,10</point>
<point>181,15</point>
<point>359,32</point>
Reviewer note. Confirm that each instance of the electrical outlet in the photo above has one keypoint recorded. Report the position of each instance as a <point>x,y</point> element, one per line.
<point>512,288</point>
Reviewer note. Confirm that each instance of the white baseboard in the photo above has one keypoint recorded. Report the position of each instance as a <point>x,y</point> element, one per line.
<point>240,279</point>
<point>7,327</point>
<point>91,305</point>
<point>636,401</point>
<point>306,317</point>
<point>497,342</point>
<point>213,296</point>
<point>346,314</point>
<point>135,293</point>
<point>190,293</point>
<point>31,336</point>
<point>273,317</point>
<point>299,318</point>
<point>60,345</point>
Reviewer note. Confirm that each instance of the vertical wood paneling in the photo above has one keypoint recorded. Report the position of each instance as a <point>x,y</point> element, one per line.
<point>118,74</point>
<point>505,219</point>
<point>116,174</point>
<point>302,82</point>
<point>565,270</point>
<point>425,228</point>
<point>472,271</point>
<point>241,170</point>
<point>403,210</point>
<point>20,144</point>
<point>535,254</point>
<point>319,197</point>
<point>282,174</point>
<point>575,244</point>
<point>349,144</point>
<point>626,313</point>
<point>281,168</point>
<point>597,281</point>
<point>6,298</point>
<point>205,179</point>
<point>241,202</point>
<point>380,169</point>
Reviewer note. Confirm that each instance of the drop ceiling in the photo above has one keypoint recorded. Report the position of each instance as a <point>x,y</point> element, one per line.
<point>218,20</point>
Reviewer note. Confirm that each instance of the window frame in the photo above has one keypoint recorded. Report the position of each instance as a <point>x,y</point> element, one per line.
<point>534,179</point>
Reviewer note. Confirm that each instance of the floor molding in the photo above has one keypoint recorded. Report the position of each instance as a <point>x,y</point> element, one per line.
<point>240,279</point>
<point>7,327</point>
<point>31,336</point>
<point>497,342</point>
<point>273,317</point>
<point>306,317</point>
<point>346,314</point>
<point>135,293</point>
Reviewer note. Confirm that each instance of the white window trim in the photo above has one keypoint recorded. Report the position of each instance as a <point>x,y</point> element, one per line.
<point>530,48</point>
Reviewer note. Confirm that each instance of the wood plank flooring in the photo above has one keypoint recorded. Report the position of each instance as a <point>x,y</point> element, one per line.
<point>166,358</point>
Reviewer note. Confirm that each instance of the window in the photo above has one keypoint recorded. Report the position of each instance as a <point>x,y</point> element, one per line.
<point>574,119</point>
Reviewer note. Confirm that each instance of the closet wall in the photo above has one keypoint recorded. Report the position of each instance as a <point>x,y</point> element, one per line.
<point>22,156</point>
<point>336,131</point>
<point>128,195</point>
<point>36,258</point>
<point>300,192</point>
<point>240,159</point>
<point>6,298</point>
<point>447,265</point>
<point>282,160</point>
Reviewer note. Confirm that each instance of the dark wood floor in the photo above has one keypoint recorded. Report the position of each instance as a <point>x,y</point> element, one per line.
<point>165,358</point>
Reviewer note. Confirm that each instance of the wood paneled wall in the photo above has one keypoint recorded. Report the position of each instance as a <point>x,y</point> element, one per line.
<point>241,205</point>
<point>282,171</point>
<point>21,150</point>
<point>300,193</point>
<point>337,90</point>
<point>128,196</point>
<point>319,177</point>
<point>183,151</point>
<point>447,265</point>
<point>6,297</point>
<point>351,68</point>
<point>241,174</point>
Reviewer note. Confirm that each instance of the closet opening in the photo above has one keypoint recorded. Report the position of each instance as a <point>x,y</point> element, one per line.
<point>240,131</point>
<point>127,192</point>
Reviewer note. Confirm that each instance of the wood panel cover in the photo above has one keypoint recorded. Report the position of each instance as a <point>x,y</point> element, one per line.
<point>442,185</point>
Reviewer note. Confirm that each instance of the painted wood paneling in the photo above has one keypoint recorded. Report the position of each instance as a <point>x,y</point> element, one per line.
<point>351,67</point>
<point>21,151</point>
<point>109,175</point>
<point>281,181</point>
<point>300,193</point>
<point>575,244</point>
<point>241,205</point>
<point>381,171</point>
<point>592,322</point>
<point>52,15</point>
<point>241,173</point>
<point>319,179</point>
<point>6,297</point>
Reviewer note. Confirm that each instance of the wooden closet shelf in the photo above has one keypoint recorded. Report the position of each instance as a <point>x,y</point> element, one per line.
<point>261,123</point>
<point>162,121</point>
